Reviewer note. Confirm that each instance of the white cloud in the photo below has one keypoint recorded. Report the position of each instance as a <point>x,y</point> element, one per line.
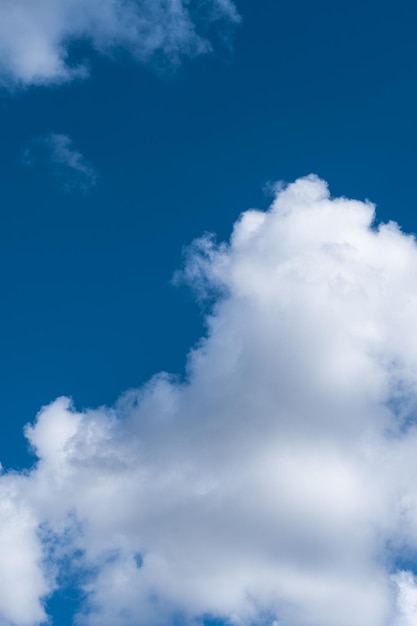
<point>57,154</point>
<point>278,484</point>
<point>407,598</point>
<point>35,38</point>
<point>22,581</point>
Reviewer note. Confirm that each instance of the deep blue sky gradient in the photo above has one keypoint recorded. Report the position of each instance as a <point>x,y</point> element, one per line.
<point>88,309</point>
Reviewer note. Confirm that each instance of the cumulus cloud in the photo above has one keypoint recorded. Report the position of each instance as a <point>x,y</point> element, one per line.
<point>36,39</point>
<point>56,153</point>
<point>277,484</point>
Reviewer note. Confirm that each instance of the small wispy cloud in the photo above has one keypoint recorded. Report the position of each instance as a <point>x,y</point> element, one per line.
<point>56,153</point>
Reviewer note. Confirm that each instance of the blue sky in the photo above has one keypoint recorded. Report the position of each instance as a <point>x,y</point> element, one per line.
<point>107,177</point>
<point>86,276</point>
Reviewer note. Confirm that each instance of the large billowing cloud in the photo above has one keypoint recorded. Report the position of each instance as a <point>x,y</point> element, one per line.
<point>278,483</point>
<point>36,37</point>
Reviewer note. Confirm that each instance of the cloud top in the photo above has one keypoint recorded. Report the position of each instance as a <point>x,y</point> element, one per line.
<point>36,39</point>
<point>277,484</point>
